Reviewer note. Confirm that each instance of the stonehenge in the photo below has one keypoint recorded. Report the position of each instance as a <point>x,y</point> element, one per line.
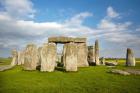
<point>130,59</point>
<point>75,54</point>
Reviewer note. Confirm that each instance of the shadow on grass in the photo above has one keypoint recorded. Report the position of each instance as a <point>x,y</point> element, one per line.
<point>60,69</point>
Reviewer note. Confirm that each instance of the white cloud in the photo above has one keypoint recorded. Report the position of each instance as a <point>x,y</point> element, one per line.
<point>19,32</point>
<point>111,12</point>
<point>78,19</point>
<point>18,8</point>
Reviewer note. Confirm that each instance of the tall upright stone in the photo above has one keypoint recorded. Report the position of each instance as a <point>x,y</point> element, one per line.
<point>48,57</point>
<point>20,57</point>
<point>91,55</point>
<point>39,56</point>
<point>71,57</point>
<point>130,59</point>
<point>30,57</point>
<point>64,55</point>
<point>82,55</point>
<point>14,58</point>
<point>97,53</point>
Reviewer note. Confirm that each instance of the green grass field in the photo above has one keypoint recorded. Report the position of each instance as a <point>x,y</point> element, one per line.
<point>93,79</point>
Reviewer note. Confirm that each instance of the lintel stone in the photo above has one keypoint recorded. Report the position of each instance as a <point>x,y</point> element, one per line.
<point>66,40</point>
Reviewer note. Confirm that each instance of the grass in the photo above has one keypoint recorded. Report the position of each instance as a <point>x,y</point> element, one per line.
<point>5,61</point>
<point>94,79</point>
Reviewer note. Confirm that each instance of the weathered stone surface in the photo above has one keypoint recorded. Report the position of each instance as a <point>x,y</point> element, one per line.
<point>39,56</point>
<point>71,57</point>
<point>14,58</point>
<point>20,57</point>
<point>130,59</point>
<point>117,71</point>
<point>97,53</point>
<point>111,63</point>
<point>82,55</point>
<point>133,71</point>
<point>66,40</point>
<point>30,57</point>
<point>91,55</point>
<point>103,61</point>
<point>48,57</point>
<point>64,55</point>
<point>5,67</point>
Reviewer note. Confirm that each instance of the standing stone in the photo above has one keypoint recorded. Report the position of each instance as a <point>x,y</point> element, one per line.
<point>64,55</point>
<point>39,56</point>
<point>82,55</point>
<point>130,59</point>
<point>30,57</point>
<point>97,53</point>
<point>20,57</point>
<point>103,61</point>
<point>14,58</point>
<point>71,57</point>
<point>91,55</point>
<point>48,57</point>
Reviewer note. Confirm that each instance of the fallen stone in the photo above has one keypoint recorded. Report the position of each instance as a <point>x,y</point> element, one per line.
<point>5,67</point>
<point>121,72</point>
<point>133,71</point>
<point>111,63</point>
<point>111,66</point>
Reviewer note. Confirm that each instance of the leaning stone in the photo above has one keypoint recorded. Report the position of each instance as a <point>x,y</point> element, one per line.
<point>82,55</point>
<point>30,57</point>
<point>97,53</point>
<point>116,71</point>
<point>130,59</point>
<point>91,55</point>
<point>71,57</point>
<point>48,57</point>
<point>14,58</point>
<point>111,63</point>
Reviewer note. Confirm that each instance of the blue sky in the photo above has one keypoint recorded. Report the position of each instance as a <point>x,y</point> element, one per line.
<point>115,23</point>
